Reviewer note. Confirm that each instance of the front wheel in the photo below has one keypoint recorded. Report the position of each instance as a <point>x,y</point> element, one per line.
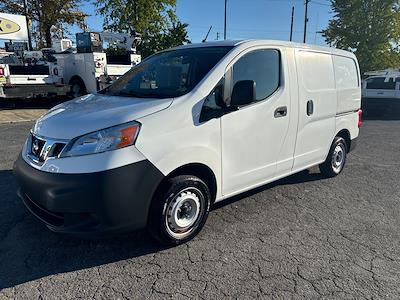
<point>179,210</point>
<point>336,160</point>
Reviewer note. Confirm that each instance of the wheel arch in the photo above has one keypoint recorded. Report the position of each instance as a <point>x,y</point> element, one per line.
<point>200,170</point>
<point>345,134</point>
<point>79,79</point>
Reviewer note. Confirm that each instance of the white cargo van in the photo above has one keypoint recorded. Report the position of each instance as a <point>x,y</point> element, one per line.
<point>186,128</point>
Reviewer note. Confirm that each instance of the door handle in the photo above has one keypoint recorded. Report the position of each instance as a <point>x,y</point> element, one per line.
<point>280,112</point>
<point>310,107</point>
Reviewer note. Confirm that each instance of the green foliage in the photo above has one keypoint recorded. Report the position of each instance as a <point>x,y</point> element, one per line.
<point>44,14</point>
<point>154,19</point>
<point>114,50</point>
<point>369,28</point>
<point>129,15</point>
<point>154,41</point>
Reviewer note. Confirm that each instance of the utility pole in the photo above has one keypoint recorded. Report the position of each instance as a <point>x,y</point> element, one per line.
<point>291,25</point>
<point>306,21</point>
<point>27,25</point>
<point>225,21</point>
<point>316,29</point>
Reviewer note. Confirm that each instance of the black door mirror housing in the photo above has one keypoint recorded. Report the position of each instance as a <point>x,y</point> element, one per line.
<point>244,92</point>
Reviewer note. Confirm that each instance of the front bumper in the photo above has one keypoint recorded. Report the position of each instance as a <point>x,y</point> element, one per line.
<point>92,204</point>
<point>31,90</point>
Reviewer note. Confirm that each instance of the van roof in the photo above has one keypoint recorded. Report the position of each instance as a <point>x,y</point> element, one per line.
<point>268,42</point>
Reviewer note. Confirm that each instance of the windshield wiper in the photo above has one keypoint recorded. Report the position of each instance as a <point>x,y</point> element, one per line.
<point>131,94</point>
<point>142,95</point>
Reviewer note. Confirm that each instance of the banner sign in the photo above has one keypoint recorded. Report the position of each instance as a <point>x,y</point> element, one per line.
<point>13,27</point>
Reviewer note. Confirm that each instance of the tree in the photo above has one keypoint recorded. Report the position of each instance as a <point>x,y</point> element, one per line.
<point>154,19</point>
<point>369,28</point>
<point>44,15</point>
<point>157,40</point>
<point>130,15</point>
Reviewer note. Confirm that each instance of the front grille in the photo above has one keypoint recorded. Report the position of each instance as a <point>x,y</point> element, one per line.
<point>57,149</point>
<point>37,146</point>
<point>41,148</point>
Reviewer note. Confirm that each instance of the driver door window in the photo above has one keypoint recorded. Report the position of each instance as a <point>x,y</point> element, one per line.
<point>261,66</point>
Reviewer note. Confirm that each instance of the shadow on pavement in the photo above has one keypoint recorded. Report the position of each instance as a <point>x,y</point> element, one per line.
<point>381,109</point>
<point>37,103</point>
<point>301,177</point>
<point>28,250</point>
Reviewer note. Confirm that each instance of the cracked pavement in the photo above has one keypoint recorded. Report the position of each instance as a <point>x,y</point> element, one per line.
<point>303,237</point>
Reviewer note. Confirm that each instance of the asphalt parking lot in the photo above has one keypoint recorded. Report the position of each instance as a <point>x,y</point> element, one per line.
<point>304,237</point>
<point>24,110</point>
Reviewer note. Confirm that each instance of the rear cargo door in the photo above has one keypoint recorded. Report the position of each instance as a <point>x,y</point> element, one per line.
<point>348,84</point>
<point>317,107</point>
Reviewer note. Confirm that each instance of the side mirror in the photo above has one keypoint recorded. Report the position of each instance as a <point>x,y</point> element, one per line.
<point>244,92</point>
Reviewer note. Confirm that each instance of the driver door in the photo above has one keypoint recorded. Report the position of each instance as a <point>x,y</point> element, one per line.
<point>253,135</point>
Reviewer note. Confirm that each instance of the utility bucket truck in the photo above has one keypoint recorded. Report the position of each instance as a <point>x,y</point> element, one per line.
<point>89,68</point>
<point>34,74</point>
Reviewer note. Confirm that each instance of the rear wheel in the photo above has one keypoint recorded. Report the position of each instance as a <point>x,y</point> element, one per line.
<point>77,88</point>
<point>336,160</point>
<point>179,210</point>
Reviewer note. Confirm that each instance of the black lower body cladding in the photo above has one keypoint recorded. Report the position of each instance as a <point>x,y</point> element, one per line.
<point>92,204</point>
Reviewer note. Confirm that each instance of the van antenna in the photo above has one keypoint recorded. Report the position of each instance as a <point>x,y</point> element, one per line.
<point>205,39</point>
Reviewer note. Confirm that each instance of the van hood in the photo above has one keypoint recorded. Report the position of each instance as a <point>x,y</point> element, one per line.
<point>94,112</point>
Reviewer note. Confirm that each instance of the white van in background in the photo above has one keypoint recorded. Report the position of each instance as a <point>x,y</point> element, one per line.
<point>186,128</point>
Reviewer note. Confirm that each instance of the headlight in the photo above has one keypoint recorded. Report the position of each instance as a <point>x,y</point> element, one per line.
<point>108,139</point>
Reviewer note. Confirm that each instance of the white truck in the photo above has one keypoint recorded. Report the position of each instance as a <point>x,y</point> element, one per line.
<point>382,85</point>
<point>381,94</point>
<point>30,77</point>
<point>90,69</point>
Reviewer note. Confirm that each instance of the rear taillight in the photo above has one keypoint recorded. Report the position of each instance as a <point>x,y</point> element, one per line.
<point>359,118</point>
<point>1,71</point>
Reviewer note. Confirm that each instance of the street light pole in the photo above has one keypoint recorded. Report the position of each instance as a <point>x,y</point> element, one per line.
<point>225,21</point>
<point>27,25</point>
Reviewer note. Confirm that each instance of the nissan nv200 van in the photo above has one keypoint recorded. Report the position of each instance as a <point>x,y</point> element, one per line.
<point>186,128</point>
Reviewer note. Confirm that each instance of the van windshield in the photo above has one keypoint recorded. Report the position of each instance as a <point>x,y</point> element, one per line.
<point>168,74</point>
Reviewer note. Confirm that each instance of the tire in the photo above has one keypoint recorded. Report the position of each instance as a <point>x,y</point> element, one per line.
<point>336,160</point>
<point>77,88</point>
<point>179,210</point>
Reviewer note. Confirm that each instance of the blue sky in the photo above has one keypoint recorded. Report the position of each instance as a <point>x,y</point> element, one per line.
<point>246,19</point>
<point>268,19</point>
